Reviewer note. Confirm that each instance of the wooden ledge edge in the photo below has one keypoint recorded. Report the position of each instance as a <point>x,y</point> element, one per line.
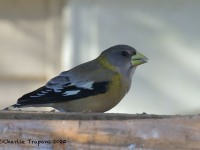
<point>28,115</point>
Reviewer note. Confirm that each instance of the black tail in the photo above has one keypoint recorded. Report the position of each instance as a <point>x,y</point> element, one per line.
<point>12,107</point>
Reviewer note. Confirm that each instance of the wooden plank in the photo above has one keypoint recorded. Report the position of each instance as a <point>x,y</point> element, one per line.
<point>23,115</point>
<point>98,131</point>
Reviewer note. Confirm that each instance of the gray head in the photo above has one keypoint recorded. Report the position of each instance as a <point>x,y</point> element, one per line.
<point>125,58</point>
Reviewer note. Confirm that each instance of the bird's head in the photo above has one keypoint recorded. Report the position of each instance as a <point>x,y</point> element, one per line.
<point>125,58</point>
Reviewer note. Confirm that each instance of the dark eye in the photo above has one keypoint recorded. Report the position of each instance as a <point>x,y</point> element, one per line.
<point>134,53</point>
<point>125,54</point>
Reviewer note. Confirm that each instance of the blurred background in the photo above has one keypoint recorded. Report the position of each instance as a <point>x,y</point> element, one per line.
<point>41,38</point>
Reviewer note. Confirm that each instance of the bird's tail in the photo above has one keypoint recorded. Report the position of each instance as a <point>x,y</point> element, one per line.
<point>12,107</point>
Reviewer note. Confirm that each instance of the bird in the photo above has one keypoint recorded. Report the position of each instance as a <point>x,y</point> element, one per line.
<point>95,86</point>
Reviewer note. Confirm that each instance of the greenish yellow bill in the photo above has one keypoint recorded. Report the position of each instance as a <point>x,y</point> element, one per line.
<point>138,59</point>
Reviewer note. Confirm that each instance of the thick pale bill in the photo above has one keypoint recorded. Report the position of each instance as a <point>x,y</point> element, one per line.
<point>138,59</point>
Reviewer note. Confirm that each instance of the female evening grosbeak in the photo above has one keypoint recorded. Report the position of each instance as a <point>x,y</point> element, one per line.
<point>95,86</point>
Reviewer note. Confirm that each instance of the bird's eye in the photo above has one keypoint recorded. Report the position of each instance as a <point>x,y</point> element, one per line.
<point>124,53</point>
<point>134,53</point>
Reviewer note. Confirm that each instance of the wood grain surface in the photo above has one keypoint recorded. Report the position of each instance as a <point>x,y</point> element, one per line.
<point>100,131</point>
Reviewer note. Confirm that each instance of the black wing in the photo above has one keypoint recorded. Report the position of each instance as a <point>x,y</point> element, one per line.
<point>45,95</point>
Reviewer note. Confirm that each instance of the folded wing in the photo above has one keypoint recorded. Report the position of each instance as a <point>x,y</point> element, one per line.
<point>61,89</point>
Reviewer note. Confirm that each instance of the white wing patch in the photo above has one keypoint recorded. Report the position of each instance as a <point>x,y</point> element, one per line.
<point>38,95</point>
<point>86,85</point>
<point>33,96</point>
<point>41,94</point>
<point>57,90</point>
<point>44,92</point>
<point>67,93</point>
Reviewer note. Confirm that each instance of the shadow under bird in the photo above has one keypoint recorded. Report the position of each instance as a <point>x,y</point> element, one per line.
<point>94,86</point>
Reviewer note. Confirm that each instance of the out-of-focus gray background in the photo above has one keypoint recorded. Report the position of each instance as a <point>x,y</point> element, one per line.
<point>40,38</point>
